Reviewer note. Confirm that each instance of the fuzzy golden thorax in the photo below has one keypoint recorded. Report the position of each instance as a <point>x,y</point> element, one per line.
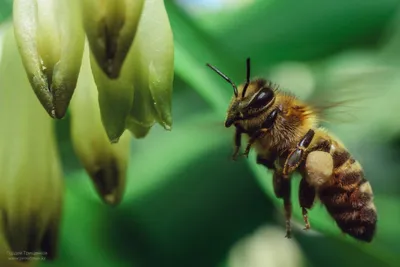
<point>251,112</point>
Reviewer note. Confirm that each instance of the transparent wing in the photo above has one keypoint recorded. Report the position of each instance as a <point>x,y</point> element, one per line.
<point>339,97</point>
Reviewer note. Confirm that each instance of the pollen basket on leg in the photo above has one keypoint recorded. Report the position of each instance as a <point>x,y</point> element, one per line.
<point>319,166</point>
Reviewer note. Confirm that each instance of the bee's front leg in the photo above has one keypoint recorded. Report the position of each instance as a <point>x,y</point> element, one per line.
<point>260,133</point>
<point>238,143</point>
<point>266,126</point>
<point>297,155</point>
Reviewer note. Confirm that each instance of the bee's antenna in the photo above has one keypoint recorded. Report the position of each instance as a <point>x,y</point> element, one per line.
<point>247,77</point>
<point>235,90</point>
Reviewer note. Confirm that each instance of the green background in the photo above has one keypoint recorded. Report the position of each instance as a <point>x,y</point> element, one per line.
<point>186,202</point>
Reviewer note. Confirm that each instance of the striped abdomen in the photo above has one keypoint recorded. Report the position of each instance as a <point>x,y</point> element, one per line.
<point>348,196</point>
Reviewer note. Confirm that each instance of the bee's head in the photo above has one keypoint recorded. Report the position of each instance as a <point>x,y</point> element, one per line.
<point>250,99</point>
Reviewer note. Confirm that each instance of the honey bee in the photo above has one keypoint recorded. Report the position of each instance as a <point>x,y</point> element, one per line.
<point>285,132</point>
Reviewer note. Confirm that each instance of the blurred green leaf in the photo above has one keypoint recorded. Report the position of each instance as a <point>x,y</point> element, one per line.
<point>193,49</point>
<point>384,247</point>
<point>340,253</point>
<point>190,138</point>
<point>274,31</point>
<point>5,9</point>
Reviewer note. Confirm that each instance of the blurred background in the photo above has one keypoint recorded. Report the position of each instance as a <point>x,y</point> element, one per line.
<point>187,203</point>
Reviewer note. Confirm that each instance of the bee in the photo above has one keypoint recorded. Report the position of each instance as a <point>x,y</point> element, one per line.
<point>285,132</point>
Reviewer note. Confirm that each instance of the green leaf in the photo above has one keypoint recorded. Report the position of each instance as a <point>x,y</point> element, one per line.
<point>275,31</point>
<point>193,49</point>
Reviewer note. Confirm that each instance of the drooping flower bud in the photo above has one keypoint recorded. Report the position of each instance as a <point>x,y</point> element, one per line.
<point>50,39</point>
<point>105,163</point>
<point>110,27</point>
<point>141,94</point>
<point>153,73</point>
<point>266,247</point>
<point>115,98</point>
<point>31,177</point>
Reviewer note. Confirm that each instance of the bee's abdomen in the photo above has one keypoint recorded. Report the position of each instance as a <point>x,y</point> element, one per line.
<point>348,197</point>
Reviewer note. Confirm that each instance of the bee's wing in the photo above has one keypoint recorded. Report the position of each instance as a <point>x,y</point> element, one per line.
<point>338,98</point>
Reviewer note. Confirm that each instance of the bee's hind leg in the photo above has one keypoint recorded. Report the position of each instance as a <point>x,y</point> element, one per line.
<point>266,161</point>
<point>306,200</point>
<point>282,190</point>
<point>297,155</point>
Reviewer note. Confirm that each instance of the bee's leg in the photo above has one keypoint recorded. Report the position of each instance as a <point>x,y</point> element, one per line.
<point>282,190</point>
<point>252,139</point>
<point>238,143</point>
<point>266,126</point>
<point>306,200</point>
<point>297,155</point>
<point>267,162</point>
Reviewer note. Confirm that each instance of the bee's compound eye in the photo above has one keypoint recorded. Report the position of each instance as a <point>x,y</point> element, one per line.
<point>263,98</point>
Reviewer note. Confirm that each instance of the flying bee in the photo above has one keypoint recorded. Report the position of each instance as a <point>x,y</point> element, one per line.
<point>287,138</point>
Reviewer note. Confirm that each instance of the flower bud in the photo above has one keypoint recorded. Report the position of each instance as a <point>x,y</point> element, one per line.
<point>50,40</point>
<point>105,163</point>
<point>31,177</point>
<point>153,73</point>
<point>141,95</point>
<point>115,99</point>
<point>266,247</point>
<point>110,28</point>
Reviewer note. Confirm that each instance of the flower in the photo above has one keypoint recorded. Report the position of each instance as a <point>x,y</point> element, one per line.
<point>112,63</point>
<point>265,247</point>
<point>141,94</point>
<point>131,52</point>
